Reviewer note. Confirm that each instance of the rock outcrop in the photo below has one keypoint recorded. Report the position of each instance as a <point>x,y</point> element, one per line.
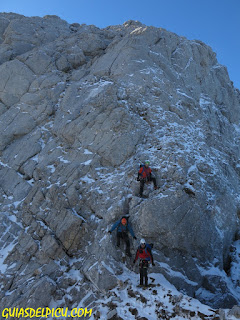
<point>80,109</point>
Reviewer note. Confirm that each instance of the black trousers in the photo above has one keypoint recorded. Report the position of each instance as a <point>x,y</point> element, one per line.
<point>125,238</point>
<point>142,181</point>
<point>143,268</point>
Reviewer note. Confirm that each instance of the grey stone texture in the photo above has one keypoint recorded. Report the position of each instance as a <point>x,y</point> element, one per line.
<point>80,109</point>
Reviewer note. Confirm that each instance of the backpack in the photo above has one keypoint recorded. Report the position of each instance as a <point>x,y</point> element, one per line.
<point>148,247</point>
<point>141,166</point>
<point>147,173</point>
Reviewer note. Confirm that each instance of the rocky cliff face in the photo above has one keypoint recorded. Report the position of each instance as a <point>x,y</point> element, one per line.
<point>80,109</point>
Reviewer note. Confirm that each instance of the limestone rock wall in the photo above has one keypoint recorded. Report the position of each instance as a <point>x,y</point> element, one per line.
<point>80,109</point>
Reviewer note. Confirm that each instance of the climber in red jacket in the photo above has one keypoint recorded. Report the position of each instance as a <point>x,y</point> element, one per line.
<point>145,175</point>
<point>144,253</point>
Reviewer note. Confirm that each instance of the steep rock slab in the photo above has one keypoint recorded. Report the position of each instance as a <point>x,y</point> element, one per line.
<point>15,81</point>
<point>92,117</point>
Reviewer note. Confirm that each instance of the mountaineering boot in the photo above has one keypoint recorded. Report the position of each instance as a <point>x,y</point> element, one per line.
<point>142,196</point>
<point>128,253</point>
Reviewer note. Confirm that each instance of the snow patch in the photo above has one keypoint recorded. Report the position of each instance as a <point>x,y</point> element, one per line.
<point>86,151</point>
<point>3,255</point>
<point>63,160</point>
<point>86,179</point>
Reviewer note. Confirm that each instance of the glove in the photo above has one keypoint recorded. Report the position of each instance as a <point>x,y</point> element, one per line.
<point>110,231</point>
<point>135,238</point>
<point>153,264</point>
<point>138,179</point>
<point>134,261</point>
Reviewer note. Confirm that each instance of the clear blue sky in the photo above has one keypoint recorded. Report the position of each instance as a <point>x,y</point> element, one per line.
<point>215,22</point>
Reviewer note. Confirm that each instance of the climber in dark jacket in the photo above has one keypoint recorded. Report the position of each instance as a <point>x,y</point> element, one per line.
<point>145,175</point>
<point>123,227</point>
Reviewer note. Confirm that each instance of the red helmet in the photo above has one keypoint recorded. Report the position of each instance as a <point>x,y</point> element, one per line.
<point>124,221</point>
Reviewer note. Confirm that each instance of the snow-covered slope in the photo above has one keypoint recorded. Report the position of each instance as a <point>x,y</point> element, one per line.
<point>160,300</point>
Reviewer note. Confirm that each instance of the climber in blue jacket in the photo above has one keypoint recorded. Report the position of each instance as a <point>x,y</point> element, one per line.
<point>123,227</point>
